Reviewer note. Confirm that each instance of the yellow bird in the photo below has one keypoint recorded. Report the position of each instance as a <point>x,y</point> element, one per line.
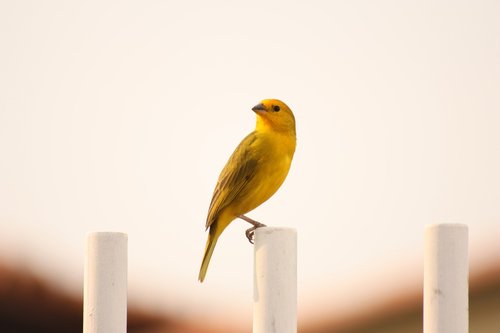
<point>254,172</point>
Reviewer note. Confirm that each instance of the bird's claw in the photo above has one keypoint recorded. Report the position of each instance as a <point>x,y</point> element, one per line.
<point>251,232</point>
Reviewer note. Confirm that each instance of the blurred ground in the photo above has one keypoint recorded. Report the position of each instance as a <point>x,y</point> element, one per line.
<point>30,305</point>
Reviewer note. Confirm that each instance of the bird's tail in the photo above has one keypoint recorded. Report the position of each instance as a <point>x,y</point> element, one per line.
<point>209,249</point>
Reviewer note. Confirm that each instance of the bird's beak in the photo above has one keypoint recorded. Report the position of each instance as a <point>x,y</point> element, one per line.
<point>259,107</point>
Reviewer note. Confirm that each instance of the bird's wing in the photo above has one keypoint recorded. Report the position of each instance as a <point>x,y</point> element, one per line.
<point>237,173</point>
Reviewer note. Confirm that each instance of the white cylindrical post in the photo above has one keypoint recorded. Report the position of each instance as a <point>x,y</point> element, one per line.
<point>275,280</point>
<point>105,283</point>
<point>446,271</point>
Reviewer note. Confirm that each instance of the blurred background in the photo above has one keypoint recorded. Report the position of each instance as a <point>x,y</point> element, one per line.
<point>119,116</point>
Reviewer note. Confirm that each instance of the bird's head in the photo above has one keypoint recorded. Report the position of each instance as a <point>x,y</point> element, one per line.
<point>275,115</point>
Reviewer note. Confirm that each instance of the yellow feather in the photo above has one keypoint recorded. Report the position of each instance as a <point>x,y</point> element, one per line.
<point>254,172</point>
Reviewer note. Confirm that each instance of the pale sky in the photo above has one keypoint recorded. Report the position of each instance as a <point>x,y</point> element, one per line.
<point>119,116</point>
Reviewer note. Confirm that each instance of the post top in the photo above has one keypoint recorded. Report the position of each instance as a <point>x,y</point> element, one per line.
<point>270,230</point>
<point>106,234</point>
<point>446,226</point>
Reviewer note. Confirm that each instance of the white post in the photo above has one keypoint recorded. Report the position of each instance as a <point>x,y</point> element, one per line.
<point>446,270</point>
<point>275,280</point>
<point>105,283</point>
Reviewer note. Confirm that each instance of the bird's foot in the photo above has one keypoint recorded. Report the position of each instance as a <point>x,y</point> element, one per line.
<point>250,232</point>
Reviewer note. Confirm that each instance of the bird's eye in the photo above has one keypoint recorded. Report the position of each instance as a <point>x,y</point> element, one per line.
<point>276,108</point>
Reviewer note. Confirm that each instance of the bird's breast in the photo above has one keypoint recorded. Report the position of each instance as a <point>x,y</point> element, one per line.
<point>274,157</point>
